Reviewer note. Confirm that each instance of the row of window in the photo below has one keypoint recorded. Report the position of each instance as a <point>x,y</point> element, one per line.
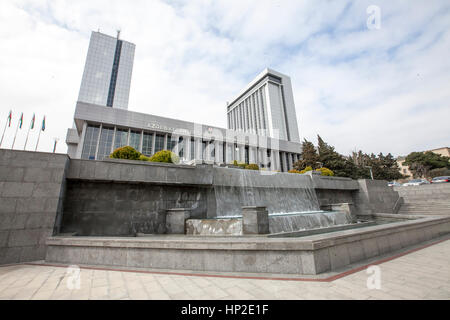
<point>249,115</point>
<point>109,139</point>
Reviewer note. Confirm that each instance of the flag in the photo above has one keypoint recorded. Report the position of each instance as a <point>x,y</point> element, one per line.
<point>10,118</point>
<point>21,121</point>
<point>32,121</point>
<point>43,124</point>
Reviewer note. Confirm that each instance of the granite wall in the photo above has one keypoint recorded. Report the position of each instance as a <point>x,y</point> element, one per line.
<point>32,186</point>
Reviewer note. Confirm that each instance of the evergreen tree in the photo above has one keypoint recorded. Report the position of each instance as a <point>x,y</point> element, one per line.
<point>309,156</point>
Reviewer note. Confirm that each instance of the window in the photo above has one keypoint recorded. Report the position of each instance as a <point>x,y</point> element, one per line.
<point>203,150</point>
<point>159,142</point>
<point>90,142</point>
<point>105,144</point>
<point>170,143</point>
<point>121,138</point>
<point>192,149</point>
<point>147,144</point>
<point>181,147</point>
<point>135,140</point>
<point>246,155</point>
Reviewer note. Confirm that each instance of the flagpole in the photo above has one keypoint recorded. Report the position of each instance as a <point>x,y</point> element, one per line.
<point>38,140</point>
<point>17,129</point>
<point>29,128</point>
<point>4,130</point>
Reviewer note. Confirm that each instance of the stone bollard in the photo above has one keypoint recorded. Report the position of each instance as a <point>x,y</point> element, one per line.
<point>255,220</point>
<point>176,220</point>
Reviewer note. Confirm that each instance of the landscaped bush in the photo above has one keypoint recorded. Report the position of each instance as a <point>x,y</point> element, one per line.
<point>126,152</point>
<point>143,158</point>
<point>294,171</point>
<point>325,172</point>
<point>252,166</point>
<point>235,163</point>
<point>165,156</point>
<point>242,165</point>
<point>306,169</point>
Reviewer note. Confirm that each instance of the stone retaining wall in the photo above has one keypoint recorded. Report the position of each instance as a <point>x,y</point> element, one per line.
<point>32,188</point>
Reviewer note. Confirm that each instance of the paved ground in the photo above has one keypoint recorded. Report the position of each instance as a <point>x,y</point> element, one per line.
<point>423,274</point>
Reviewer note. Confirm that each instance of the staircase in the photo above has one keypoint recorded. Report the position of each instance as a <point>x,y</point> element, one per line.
<point>431,199</point>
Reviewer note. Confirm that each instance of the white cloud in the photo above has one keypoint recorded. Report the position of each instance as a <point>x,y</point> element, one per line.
<point>377,90</point>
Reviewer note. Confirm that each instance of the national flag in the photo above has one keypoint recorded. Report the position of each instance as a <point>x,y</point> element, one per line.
<point>21,121</point>
<point>43,124</point>
<point>32,122</point>
<point>10,118</point>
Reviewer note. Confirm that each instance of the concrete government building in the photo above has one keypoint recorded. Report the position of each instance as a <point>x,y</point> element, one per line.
<point>262,122</point>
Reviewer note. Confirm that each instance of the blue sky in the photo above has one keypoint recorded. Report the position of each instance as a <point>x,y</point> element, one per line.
<point>382,90</point>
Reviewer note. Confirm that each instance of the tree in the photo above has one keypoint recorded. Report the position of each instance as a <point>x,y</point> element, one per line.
<point>309,156</point>
<point>420,163</point>
<point>340,165</point>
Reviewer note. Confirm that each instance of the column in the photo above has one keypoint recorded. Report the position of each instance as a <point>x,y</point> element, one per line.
<point>276,160</point>
<point>165,141</point>
<point>153,142</point>
<point>187,148</point>
<point>241,153</point>
<point>198,149</point>
<point>252,154</point>
<point>217,151</point>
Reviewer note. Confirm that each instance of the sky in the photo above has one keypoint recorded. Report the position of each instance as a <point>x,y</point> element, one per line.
<point>378,85</point>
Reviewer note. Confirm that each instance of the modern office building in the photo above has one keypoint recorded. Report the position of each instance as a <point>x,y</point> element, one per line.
<point>268,136</point>
<point>107,73</point>
<point>265,107</point>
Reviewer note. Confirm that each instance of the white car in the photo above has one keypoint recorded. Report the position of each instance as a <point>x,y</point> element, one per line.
<point>416,182</point>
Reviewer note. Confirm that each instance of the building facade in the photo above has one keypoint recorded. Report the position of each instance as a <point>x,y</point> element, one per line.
<point>265,107</point>
<point>99,130</point>
<point>268,135</point>
<point>107,73</point>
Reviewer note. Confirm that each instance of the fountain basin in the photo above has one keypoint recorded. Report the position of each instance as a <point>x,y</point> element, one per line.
<point>307,255</point>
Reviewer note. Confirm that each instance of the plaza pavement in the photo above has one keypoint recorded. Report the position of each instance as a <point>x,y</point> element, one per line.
<point>420,274</point>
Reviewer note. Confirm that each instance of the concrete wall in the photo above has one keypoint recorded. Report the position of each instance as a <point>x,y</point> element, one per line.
<point>374,196</point>
<point>31,197</point>
<point>123,209</point>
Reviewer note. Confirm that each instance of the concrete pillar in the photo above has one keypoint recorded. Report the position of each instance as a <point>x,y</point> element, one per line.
<point>255,220</point>
<point>217,152</point>
<point>241,153</point>
<point>165,141</point>
<point>275,160</point>
<point>176,220</point>
<point>153,142</point>
<point>198,149</point>
<point>252,155</point>
<point>187,148</point>
<point>81,142</point>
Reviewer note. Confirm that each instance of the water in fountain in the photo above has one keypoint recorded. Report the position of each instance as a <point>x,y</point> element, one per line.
<point>279,192</point>
<point>290,199</point>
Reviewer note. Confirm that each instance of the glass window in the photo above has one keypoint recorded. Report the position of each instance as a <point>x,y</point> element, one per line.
<point>170,143</point>
<point>147,144</point>
<point>121,138</point>
<point>159,142</point>
<point>135,140</point>
<point>181,147</point>
<point>90,142</point>
<point>192,149</point>
<point>246,155</point>
<point>203,150</point>
<point>105,144</point>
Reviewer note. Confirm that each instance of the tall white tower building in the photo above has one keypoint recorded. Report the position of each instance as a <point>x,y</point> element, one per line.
<point>107,73</point>
<point>265,107</point>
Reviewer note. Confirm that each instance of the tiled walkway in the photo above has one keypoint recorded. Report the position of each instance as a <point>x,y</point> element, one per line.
<point>423,274</point>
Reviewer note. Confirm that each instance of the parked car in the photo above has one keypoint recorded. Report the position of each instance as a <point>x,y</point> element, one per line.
<point>394,184</point>
<point>416,182</point>
<point>441,179</point>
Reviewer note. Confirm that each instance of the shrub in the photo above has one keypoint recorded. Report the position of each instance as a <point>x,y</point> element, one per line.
<point>126,152</point>
<point>143,158</point>
<point>294,171</point>
<point>309,168</point>
<point>252,166</point>
<point>325,172</point>
<point>439,172</point>
<point>235,163</point>
<point>241,165</point>
<point>165,156</point>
